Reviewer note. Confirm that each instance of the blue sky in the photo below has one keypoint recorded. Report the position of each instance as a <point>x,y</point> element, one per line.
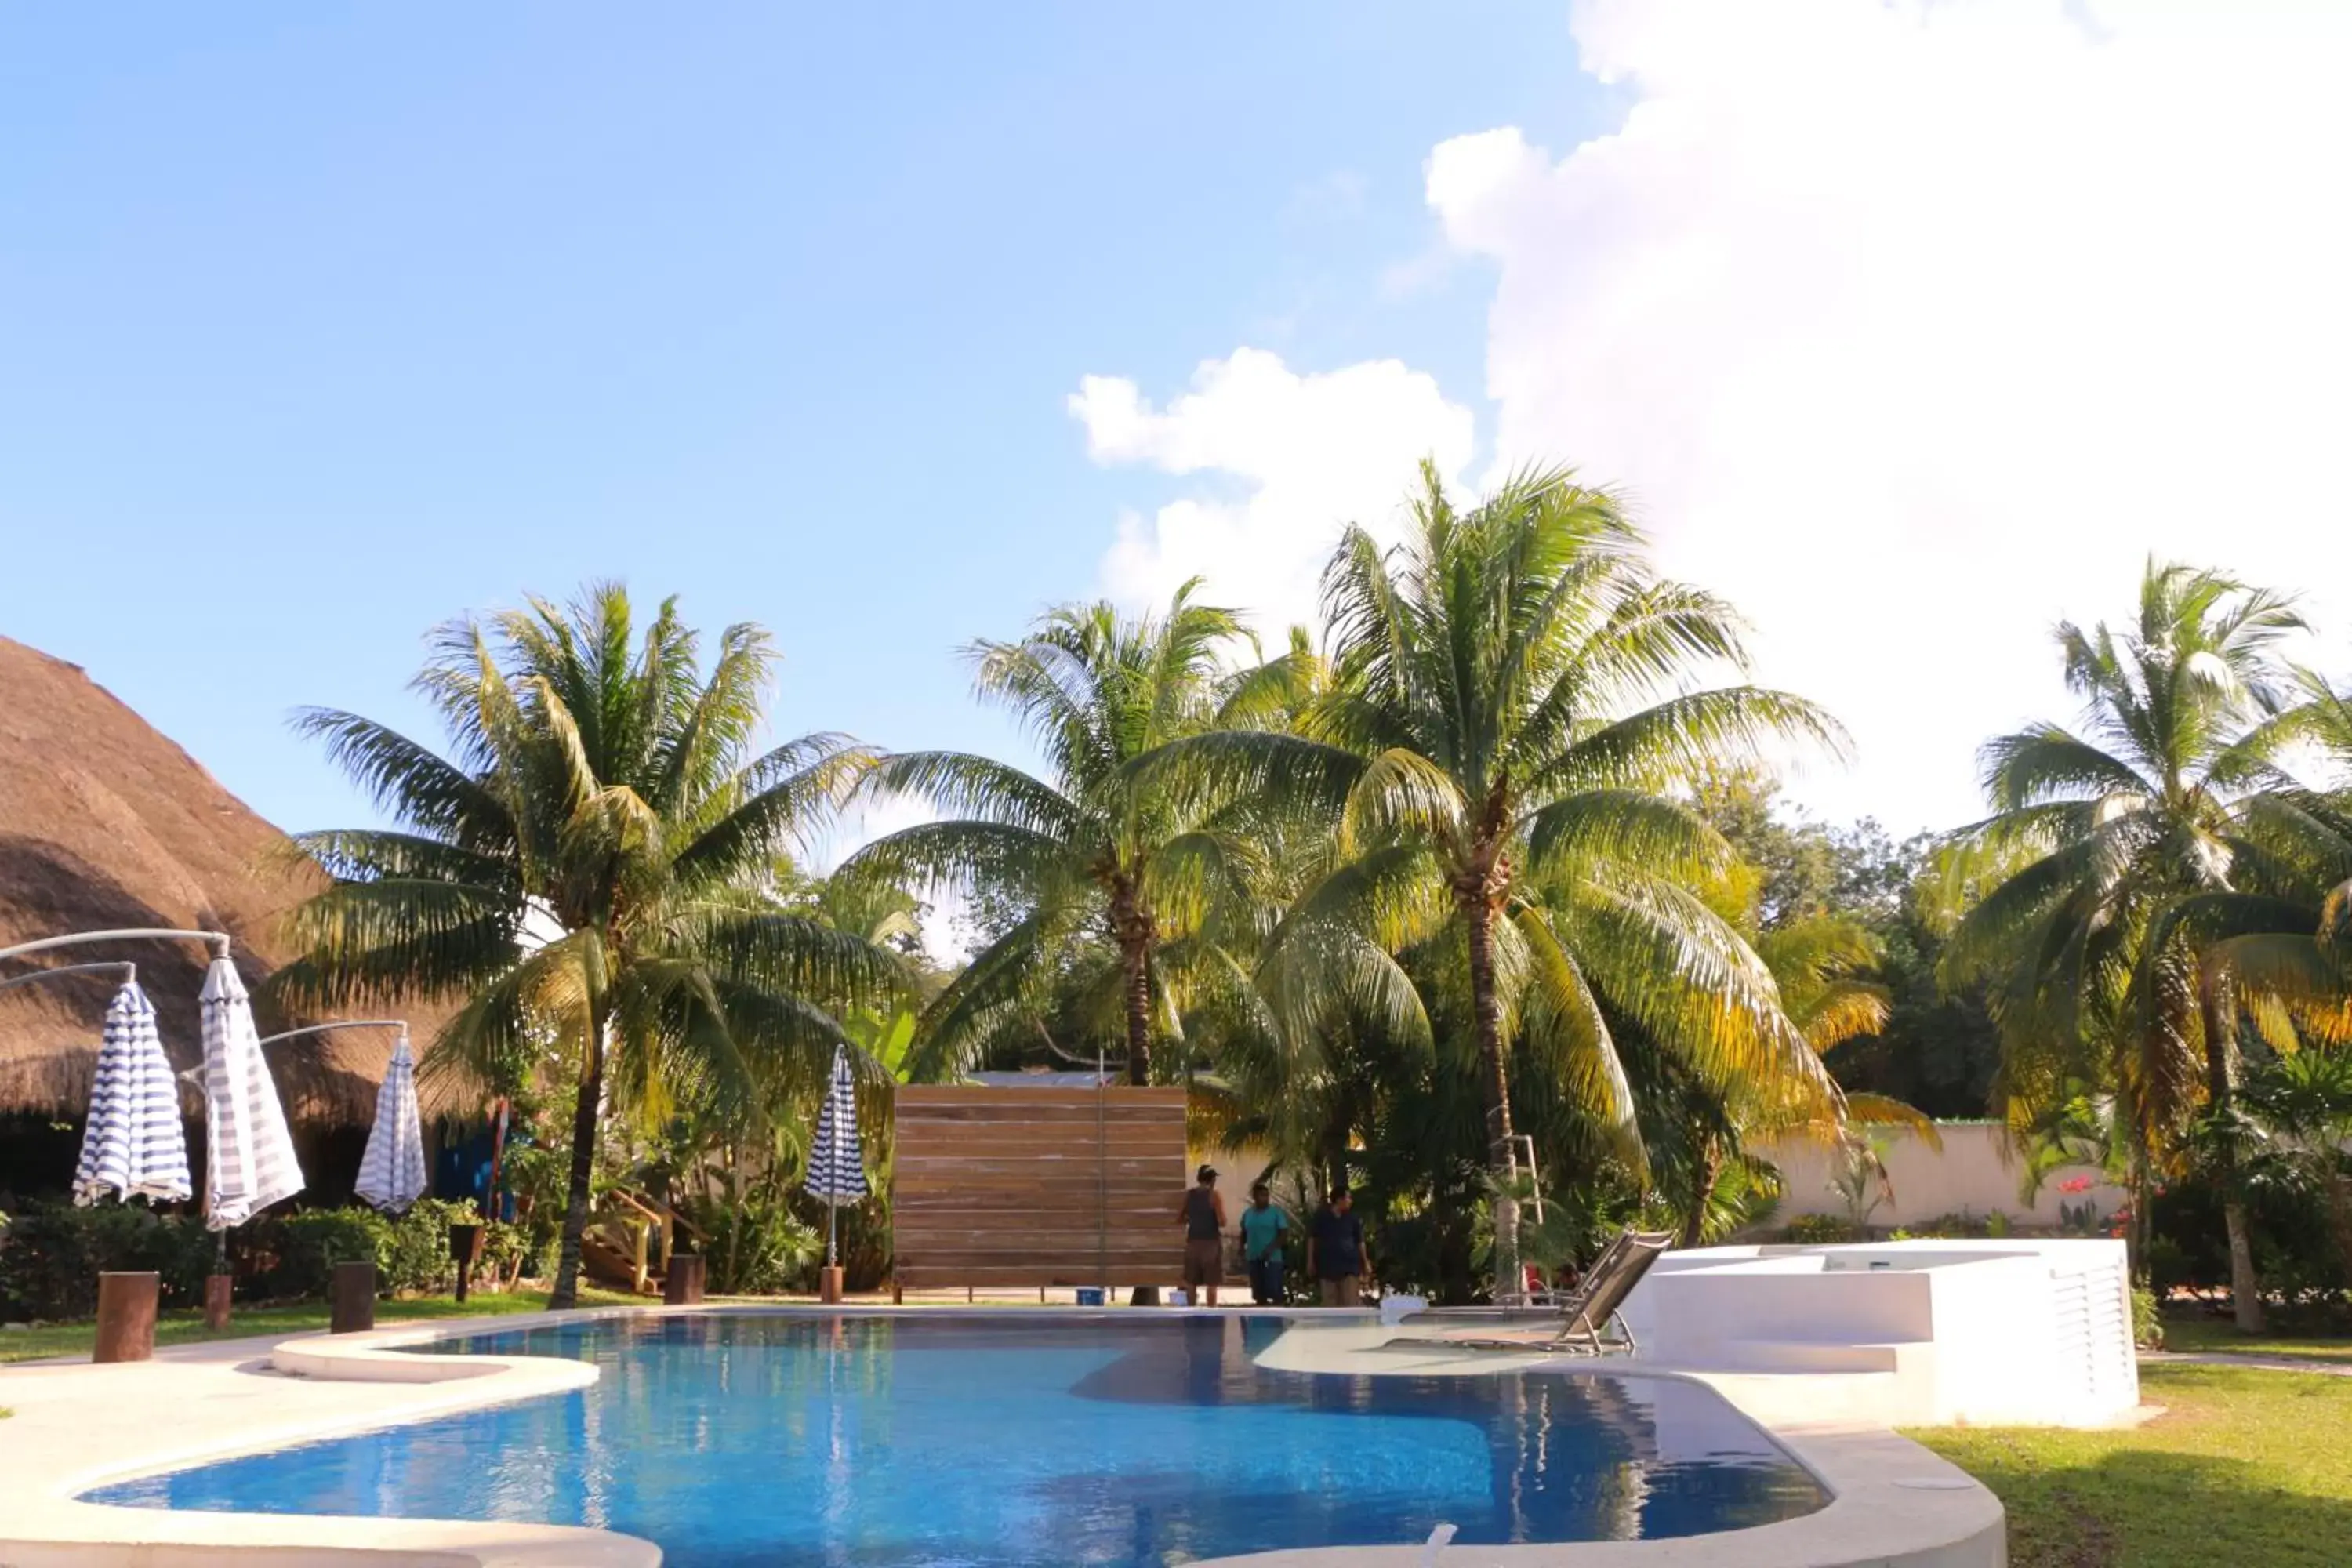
<point>886,327</point>
<point>323,323</point>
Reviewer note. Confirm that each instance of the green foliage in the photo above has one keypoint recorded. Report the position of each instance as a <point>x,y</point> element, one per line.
<point>1818,1229</point>
<point>2147,1318</point>
<point>309,1243</point>
<point>603,780</point>
<point>52,1256</point>
<point>1090,876</point>
<point>754,1247</point>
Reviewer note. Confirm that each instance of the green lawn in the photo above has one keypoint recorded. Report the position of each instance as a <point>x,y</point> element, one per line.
<point>2246,1468</point>
<point>188,1327</point>
<point>2203,1334</point>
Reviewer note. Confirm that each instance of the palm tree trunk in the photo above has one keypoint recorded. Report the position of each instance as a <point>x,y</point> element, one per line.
<point>586,1111</point>
<point>2220,1084</point>
<point>1493,1077</point>
<point>1710,1166</point>
<point>1134,958</point>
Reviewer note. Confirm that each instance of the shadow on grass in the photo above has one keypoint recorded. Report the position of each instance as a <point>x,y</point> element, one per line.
<point>2137,1509</point>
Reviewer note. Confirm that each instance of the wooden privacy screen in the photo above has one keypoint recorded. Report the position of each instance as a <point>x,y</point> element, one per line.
<point>1038,1186</point>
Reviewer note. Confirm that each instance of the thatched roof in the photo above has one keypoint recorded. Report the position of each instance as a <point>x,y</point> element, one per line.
<point>104,823</point>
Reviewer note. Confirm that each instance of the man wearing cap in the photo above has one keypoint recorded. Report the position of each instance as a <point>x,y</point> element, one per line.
<point>1202,1215</point>
<point>1336,1256</point>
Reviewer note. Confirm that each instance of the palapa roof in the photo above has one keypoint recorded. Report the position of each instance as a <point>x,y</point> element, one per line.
<point>104,823</point>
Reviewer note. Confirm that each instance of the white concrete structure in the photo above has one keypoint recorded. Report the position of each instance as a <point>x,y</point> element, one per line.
<point>1909,1333</point>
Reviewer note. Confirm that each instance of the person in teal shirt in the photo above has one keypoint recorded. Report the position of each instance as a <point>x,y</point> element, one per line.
<point>1262,1227</point>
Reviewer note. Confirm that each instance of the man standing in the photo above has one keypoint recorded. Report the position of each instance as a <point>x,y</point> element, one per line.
<point>1262,1229</point>
<point>1202,1215</point>
<point>1336,1258</point>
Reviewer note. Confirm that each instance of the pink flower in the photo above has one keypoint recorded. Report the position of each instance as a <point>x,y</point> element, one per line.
<point>2077,1185</point>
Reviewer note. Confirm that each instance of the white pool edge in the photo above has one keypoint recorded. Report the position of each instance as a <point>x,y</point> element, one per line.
<point>1892,1502</point>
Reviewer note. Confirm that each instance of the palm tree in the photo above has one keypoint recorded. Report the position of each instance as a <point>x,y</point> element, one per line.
<point>1495,754</point>
<point>590,860</point>
<point>2102,846</point>
<point>1094,869</point>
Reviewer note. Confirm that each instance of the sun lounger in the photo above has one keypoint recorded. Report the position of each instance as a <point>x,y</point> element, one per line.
<point>1581,1321</point>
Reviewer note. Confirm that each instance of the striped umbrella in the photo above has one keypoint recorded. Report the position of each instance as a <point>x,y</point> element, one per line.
<point>132,1145</point>
<point>836,1167</point>
<point>248,1157</point>
<point>392,1172</point>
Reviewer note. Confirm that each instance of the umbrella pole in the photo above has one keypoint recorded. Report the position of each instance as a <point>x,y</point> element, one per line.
<point>829,1283</point>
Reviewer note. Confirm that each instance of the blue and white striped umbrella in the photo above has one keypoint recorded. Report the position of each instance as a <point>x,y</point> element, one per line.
<point>248,1156</point>
<point>392,1172</point>
<point>132,1145</point>
<point>837,1169</point>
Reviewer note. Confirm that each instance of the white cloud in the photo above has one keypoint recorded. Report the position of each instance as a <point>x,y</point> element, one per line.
<point>1312,454</point>
<point>1911,325</point>
<point>1914,326</point>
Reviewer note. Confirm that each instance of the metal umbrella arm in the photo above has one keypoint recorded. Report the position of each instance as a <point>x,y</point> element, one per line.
<point>127,972</point>
<point>399,1023</point>
<point>220,939</point>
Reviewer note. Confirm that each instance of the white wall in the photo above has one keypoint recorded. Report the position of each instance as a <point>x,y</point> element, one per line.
<point>2035,1331</point>
<point>1977,1172</point>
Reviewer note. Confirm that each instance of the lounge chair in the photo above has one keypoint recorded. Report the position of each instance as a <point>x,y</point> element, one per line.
<point>1586,1313</point>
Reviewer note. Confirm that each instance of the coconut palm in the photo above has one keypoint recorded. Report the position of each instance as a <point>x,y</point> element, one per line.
<point>1495,756</point>
<point>589,861</point>
<point>2108,846</point>
<point>1095,869</point>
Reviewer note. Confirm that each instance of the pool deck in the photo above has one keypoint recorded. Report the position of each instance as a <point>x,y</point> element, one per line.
<point>77,1426</point>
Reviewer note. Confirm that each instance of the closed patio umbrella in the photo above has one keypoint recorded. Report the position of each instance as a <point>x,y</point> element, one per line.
<point>132,1145</point>
<point>836,1167</point>
<point>249,1157</point>
<point>392,1172</point>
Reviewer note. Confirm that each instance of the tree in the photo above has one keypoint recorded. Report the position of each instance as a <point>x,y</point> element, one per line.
<point>591,859</point>
<point>1096,865</point>
<point>1494,755</point>
<point>2098,845</point>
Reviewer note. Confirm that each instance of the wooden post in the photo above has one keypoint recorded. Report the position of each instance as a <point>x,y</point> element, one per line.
<point>466,1250</point>
<point>218,1290</point>
<point>828,1285</point>
<point>353,1303</point>
<point>126,1317</point>
<point>682,1286</point>
<point>897,1292</point>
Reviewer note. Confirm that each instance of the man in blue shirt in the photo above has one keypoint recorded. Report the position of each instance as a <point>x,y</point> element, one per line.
<point>1262,1228</point>
<point>1336,1258</point>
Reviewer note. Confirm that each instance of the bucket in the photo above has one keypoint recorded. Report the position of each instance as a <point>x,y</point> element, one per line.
<point>1091,1295</point>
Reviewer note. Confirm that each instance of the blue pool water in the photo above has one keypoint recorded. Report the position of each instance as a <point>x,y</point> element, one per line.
<point>743,1438</point>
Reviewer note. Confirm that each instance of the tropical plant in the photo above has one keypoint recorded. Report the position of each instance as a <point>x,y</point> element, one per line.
<point>588,865</point>
<point>1097,868</point>
<point>1493,756</point>
<point>2106,967</point>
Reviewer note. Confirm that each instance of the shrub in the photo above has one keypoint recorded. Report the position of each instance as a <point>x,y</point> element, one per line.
<point>1815,1229</point>
<point>51,1257</point>
<point>757,1247</point>
<point>308,1244</point>
<point>414,1252</point>
<point>2148,1320</point>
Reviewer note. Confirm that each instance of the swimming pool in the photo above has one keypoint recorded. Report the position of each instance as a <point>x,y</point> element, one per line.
<point>731,1439</point>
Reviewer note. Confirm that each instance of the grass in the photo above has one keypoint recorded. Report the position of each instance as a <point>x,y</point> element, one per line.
<point>2246,1467</point>
<point>181,1327</point>
<point>2218,1334</point>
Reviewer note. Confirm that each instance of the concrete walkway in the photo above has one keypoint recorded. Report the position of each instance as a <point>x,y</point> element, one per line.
<point>2261,1362</point>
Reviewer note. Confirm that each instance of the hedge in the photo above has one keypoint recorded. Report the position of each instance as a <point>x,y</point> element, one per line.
<point>51,1255</point>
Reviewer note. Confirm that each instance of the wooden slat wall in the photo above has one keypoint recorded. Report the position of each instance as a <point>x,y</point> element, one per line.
<point>1037,1186</point>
